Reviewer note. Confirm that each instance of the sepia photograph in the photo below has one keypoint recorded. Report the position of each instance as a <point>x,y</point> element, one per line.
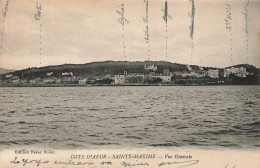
<point>130,83</point>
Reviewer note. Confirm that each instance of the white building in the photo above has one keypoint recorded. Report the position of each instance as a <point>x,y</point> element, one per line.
<point>67,74</point>
<point>48,81</point>
<point>150,67</point>
<point>9,75</point>
<point>227,72</point>
<point>49,73</point>
<point>239,72</point>
<point>194,74</point>
<point>83,81</point>
<point>15,81</point>
<point>166,78</point>
<point>119,79</point>
<point>189,67</point>
<point>213,73</point>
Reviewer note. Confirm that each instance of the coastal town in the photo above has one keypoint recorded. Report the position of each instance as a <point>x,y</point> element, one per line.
<point>151,75</point>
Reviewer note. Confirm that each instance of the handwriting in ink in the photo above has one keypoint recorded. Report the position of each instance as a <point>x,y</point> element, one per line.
<point>106,163</point>
<point>122,18</point>
<point>165,11</point>
<point>245,13</point>
<point>180,164</point>
<point>228,17</point>
<point>146,31</point>
<point>37,15</point>
<point>165,17</point>
<point>24,162</point>
<point>70,162</point>
<point>4,11</point>
<point>145,19</point>
<point>228,20</point>
<point>125,164</point>
<point>192,15</point>
<point>227,166</point>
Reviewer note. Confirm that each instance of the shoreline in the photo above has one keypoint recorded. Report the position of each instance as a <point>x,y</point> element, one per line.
<point>137,85</point>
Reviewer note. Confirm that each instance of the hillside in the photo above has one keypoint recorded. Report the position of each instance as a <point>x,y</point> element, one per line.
<point>101,68</point>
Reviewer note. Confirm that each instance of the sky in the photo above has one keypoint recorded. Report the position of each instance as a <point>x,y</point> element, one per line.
<point>83,31</point>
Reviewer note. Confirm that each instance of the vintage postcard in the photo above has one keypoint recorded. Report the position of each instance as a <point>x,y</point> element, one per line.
<point>130,83</point>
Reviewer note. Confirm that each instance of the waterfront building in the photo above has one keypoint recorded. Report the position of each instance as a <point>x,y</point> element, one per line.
<point>58,80</point>
<point>239,72</point>
<point>213,73</point>
<point>15,81</point>
<point>46,81</point>
<point>83,81</point>
<point>227,72</point>
<point>119,79</point>
<point>134,78</point>
<point>194,74</point>
<point>201,74</point>
<point>166,78</point>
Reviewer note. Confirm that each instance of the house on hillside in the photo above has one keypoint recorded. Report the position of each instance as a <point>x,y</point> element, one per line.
<point>189,67</point>
<point>66,74</point>
<point>150,67</point>
<point>8,75</point>
<point>166,71</point>
<point>49,73</point>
